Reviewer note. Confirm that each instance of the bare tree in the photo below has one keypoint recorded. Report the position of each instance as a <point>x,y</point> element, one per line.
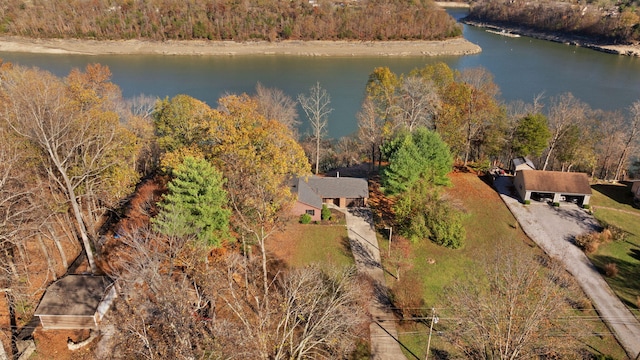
<point>275,104</point>
<point>511,309</point>
<point>565,110</point>
<point>316,107</point>
<point>418,102</point>
<point>370,128</point>
<point>630,142</point>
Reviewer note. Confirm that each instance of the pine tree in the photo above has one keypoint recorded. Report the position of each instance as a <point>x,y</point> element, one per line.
<point>196,204</point>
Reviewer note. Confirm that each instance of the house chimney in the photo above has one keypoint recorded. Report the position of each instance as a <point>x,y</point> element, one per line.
<point>337,174</point>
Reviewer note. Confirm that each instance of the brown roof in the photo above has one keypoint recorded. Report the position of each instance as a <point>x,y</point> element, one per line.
<point>77,295</point>
<point>569,183</point>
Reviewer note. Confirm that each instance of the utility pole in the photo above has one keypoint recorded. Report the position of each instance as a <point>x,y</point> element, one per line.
<point>434,320</point>
<point>390,232</point>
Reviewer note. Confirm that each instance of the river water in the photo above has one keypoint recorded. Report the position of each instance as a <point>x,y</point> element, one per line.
<point>522,67</point>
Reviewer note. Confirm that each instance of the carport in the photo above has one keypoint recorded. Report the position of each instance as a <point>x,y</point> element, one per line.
<point>553,184</point>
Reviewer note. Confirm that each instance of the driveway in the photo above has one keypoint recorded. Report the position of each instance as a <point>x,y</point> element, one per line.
<point>364,245</point>
<point>553,229</point>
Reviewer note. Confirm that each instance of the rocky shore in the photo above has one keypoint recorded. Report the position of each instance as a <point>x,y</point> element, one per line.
<point>627,50</point>
<point>451,47</point>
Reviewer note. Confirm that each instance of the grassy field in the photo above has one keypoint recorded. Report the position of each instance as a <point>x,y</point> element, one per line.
<point>613,205</point>
<point>489,225</point>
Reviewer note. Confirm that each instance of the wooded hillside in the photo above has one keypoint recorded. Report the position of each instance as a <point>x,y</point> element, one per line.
<point>227,20</point>
<point>599,21</point>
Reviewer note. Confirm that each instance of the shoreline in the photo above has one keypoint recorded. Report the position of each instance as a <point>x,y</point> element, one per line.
<point>450,47</point>
<point>625,50</point>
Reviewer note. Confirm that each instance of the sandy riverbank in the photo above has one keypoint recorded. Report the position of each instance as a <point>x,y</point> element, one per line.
<point>458,46</point>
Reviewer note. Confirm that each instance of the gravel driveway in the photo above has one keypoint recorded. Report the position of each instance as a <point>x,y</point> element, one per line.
<point>553,229</point>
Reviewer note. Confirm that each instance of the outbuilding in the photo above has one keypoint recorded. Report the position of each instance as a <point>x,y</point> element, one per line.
<point>76,302</point>
<point>555,186</point>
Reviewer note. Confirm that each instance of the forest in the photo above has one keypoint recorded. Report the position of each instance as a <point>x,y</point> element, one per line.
<point>598,21</point>
<point>269,20</point>
<point>210,186</point>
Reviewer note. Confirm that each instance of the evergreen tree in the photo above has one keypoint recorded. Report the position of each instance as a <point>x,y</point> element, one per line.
<point>531,136</point>
<point>196,203</point>
<point>418,155</point>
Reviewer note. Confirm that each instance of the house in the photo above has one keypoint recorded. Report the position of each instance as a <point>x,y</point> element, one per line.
<point>76,302</point>
<point>521,163</point>
<point>313,191</point>
<point>554,185</point>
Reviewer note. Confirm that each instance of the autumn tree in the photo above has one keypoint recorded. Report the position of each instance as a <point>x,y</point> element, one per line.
<point>181,122</point>
<point>380,89</point>
<point>316,107</point>
<point>258,157</point>
<point>511,308</point>
<point>196,204</point>
<point>86,153</point>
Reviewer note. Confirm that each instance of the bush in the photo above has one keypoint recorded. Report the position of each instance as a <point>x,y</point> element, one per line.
<point>556,204</point>
<point>611,270</point>
<point>325,213</point>
<point>305,219</point>
<point>586,206</point>
<point>588,242</point>
<point>617,234</point>
<point>527,202</point>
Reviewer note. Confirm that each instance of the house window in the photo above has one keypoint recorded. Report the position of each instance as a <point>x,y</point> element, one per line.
<point>310,212</point>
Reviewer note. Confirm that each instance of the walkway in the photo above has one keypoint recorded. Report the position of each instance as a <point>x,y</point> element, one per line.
<point>553,229</point>
<point>364,245</point>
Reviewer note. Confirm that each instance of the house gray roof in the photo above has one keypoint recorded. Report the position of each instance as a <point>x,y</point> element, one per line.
<point>305,194</point>
<point>77,295</point>
<point>339,187</point>
<point>570,183</point>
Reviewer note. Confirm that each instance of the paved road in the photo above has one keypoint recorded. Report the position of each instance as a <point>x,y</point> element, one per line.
<point>362,237</point>
<point>553,229</point>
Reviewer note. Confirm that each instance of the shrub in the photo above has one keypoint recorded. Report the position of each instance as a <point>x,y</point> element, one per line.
<point>586,206</point>
<point>611,270</point>
<point>325,213</point>
<point>556,204</point>
<point>588,242</point>
<point>617,234</point>
<point>527,202</point>
<point>305,219</point>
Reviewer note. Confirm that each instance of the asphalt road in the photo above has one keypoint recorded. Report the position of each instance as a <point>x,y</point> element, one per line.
<point>553,229</point>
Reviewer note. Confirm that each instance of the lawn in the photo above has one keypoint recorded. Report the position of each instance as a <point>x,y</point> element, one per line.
<point>613,206</point>
<point>488,224</point>
<point>300,245</point>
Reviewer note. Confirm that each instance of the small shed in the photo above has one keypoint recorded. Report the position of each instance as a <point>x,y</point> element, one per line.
<point>76,302</point>
<point>521,163</point>
<point>554,185</point>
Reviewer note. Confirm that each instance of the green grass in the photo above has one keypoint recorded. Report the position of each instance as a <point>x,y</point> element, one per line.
<point>625,254</point>
<point>321,244</point>
<point>489,224</point>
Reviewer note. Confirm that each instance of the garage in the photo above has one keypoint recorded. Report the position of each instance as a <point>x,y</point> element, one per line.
<point>553,186</point>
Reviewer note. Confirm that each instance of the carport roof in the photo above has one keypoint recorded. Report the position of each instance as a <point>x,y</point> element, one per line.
<point>555,182</point>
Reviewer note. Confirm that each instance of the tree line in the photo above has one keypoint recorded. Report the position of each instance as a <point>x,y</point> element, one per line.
<point>228,20</point>
<point>559,133</point>
<point>600,21</point>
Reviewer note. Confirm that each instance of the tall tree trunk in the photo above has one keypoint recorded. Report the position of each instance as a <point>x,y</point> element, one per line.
<point>58,244</point>
<point>50,266</point>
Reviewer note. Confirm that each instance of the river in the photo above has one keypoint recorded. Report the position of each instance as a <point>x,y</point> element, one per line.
<point>522,67</point>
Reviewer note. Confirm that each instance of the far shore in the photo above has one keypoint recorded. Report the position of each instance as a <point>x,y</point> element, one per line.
<point>450,47</point>
<point>627,50</point>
